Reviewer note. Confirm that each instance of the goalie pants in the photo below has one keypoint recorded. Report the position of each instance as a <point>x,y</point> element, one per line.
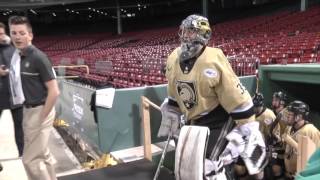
<point>220,124</point>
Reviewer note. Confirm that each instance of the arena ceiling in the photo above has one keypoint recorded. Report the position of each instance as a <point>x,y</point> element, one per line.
<point>134,13</point>
<point>91,9</point>
<point>109,3</point>
<point>22,4</point>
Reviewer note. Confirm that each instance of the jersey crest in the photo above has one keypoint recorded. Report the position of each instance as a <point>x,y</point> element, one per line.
<point>187,93</point>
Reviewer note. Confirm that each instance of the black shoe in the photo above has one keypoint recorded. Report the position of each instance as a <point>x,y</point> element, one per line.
<point>1,167</point>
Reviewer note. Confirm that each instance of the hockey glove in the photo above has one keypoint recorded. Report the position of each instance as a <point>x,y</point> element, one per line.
<point>170,119</point>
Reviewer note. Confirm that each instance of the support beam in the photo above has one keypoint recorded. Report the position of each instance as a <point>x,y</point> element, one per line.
<point>119,25</point>
<point>304,5</point>
<point>205,8</point>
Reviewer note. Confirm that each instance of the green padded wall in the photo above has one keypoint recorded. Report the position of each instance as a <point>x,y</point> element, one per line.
<point>120,126</point>
<point>73,106</point>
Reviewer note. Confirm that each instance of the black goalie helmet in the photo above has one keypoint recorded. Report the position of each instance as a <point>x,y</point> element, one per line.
<point>257,100</point>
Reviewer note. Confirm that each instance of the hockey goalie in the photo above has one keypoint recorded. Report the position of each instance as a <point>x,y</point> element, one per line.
<point>217,109</point>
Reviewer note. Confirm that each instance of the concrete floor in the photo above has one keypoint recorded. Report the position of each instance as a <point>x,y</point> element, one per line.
<point>13,169</point>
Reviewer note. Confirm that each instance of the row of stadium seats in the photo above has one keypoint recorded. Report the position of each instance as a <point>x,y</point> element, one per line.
<point>138,58</point>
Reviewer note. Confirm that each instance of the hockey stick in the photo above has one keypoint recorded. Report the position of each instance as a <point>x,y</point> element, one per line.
<point>162,157</point>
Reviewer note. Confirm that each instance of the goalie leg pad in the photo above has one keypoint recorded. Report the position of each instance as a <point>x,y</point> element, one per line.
<point>190,153</point>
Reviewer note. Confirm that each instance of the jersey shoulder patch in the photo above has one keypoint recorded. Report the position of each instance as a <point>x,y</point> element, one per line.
<point>210,73</point>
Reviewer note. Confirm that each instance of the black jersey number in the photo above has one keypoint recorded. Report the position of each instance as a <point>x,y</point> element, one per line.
<point>241,87</point>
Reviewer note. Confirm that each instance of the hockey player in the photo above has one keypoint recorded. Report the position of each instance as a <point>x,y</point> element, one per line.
<point>279,101</point>
<point>264,115</point>
<point>275,143</point>
<point>296,120</point>
<point>204,89</point>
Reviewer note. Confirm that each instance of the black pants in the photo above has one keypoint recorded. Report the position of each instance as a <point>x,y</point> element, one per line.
<point>18,131</point>
<point>219,125</point>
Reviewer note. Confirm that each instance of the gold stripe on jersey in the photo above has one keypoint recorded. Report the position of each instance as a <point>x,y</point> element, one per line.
<point>210,82</point>
<point>308,130</point>
<point>265,121</point>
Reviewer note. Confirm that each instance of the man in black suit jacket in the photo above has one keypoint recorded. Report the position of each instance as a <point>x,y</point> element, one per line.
<point>6,52</point>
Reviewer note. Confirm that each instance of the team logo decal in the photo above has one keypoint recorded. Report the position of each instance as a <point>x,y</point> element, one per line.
<point>187,93</point>
<point>211,73</point>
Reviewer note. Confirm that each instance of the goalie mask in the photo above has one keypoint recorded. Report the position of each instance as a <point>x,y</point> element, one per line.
<point>194,33</point>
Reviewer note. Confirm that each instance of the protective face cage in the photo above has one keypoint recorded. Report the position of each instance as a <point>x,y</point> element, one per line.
<point>195,29</point>
<point>281,96</point>
<point>299,107</point>
<point>257,99</point>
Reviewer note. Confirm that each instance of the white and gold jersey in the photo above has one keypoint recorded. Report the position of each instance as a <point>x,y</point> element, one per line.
<point>279,128</point>
<point>265,119</point>
<point>210,82</point>
<point>308,130</point>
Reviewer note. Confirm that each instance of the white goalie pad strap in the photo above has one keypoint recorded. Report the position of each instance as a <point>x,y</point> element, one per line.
<point>190,153</point>
<point>212,166</point>
<point>231,152</point>
<point>215,170</point>
<point>170,120</point>
<point>219,176</point>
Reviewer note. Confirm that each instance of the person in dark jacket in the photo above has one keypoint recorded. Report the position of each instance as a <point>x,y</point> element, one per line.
<point>6,52</point>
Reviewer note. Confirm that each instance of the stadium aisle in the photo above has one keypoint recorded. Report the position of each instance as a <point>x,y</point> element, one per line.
<point>12,165</point>
<point>13,168</point>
